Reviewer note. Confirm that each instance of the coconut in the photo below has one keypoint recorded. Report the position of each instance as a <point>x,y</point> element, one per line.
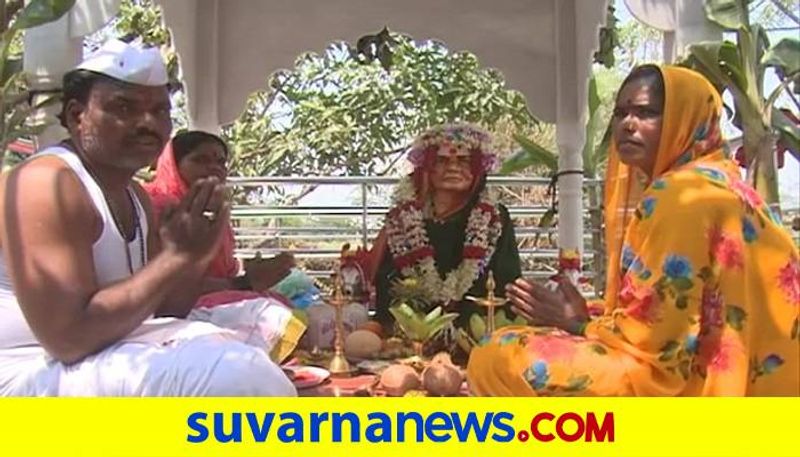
<point>399,379</point>
<point>374,327</point>
<point>362,344</point>
<point>441,377</point>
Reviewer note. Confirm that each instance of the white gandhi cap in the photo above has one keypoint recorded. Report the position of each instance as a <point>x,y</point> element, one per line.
<point>130,63</point>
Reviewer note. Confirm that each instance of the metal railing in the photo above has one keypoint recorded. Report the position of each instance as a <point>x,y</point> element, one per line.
<point>789,216</point>
<point>259,228</point>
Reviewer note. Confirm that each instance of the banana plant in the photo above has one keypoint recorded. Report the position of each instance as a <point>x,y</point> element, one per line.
<point>739,68</point>
<point>16,16</point>
<point>418,326</point>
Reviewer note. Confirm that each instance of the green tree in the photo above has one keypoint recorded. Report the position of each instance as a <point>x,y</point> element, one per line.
<point>740,67</point>
<point>638,44</point>
<point>353,110</point>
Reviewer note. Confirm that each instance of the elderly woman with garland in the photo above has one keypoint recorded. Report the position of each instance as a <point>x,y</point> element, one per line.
<point>446,230</point>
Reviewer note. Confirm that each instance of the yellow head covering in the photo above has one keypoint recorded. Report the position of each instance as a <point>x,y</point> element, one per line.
<point>689,131</point>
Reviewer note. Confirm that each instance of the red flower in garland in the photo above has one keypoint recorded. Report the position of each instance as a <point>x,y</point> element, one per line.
<point>414,256</point>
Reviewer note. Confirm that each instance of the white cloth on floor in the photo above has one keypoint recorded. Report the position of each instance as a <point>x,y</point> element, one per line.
<point>163,357</point>
<point>259,322</point>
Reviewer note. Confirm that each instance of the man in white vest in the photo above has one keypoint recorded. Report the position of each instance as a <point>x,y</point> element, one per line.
<point>83,269</point>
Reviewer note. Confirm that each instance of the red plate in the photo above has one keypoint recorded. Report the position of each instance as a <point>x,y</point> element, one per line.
<point>304,377</point>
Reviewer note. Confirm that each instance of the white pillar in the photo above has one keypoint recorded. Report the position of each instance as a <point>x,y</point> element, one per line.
<point>569,128</point>
<point>194,26</point>
<point>49,53</point>
<point>205,115</point>
<point>668,46</point>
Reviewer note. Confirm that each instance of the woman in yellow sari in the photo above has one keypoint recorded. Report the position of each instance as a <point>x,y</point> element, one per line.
<point>704,283</point>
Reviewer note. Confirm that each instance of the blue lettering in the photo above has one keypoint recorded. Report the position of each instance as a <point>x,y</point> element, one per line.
<point>431,427</point>
<point>355,427</point>
<point>193,421</point>
<point>384,424</point>
<point>295,425</point>
<point>498,423</point>
<point>236,428</point>
<point>316,423</point>
<point>463,431</point>
<point>402,418</point>
<point>437,427</point>
<point>260,431</point>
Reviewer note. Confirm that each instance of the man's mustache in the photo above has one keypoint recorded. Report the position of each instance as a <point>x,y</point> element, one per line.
<point>142,134</point>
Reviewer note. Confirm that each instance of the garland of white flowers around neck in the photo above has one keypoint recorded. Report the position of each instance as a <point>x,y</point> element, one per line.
<point>413,254</point>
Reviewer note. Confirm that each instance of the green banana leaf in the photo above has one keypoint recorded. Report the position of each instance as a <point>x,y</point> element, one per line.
<point>788,131</point>
<point>418,326</point>
<point>38,12</point>
<point>531,154</point>
<point>785,55</point>
<point>728,14</point>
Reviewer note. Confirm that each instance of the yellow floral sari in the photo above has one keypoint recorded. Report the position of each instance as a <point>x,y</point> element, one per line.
<point>703,285</point>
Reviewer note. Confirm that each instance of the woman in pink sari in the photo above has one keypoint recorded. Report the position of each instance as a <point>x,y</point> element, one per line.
<point>250,307</point>
<point>191,156</point>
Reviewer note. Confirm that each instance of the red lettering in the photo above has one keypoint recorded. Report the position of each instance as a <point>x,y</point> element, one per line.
<point>543,437</point>
<point>566,436</point>
<point>600,433</point>
<point>587,428</point>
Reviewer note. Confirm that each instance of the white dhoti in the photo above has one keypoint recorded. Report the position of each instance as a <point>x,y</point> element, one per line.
<point>167,357</point>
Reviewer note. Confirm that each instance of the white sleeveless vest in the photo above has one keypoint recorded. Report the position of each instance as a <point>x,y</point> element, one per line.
<point>110,260</point>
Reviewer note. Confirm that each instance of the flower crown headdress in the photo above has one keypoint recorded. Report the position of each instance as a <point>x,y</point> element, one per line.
<point>459,138</point>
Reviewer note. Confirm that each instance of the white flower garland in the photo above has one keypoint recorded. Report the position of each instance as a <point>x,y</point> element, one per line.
<point>407,238</point>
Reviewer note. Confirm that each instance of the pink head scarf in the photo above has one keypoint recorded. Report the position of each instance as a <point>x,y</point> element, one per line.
<point>168,188</point>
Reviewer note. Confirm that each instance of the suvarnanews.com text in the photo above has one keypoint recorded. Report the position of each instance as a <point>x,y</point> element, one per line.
<point>401,427</point>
